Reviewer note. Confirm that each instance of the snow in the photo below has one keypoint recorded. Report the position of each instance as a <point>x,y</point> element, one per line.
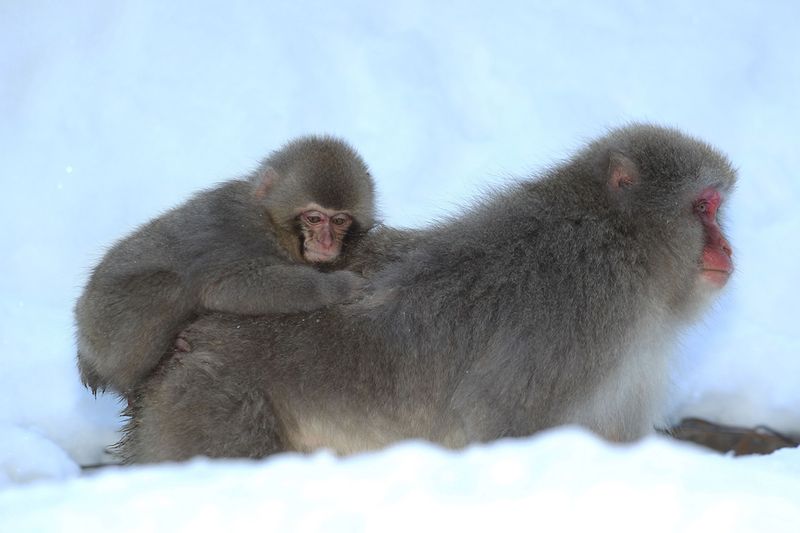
<point>27,456</point>
<point>564,480</point>
<point>112,112</point>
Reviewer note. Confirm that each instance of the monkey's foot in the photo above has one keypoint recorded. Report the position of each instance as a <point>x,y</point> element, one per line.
<point>182,345</point>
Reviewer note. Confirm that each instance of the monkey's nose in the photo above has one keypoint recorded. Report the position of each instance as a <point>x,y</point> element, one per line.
<point>326,238</point>
<point>726,246</point>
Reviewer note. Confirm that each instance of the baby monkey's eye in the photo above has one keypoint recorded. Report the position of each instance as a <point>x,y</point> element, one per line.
<point>312,217</point>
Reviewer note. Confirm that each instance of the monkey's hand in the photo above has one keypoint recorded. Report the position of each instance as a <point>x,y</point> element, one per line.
<point>343,286</point>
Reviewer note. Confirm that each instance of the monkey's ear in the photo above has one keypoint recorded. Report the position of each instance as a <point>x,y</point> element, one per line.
<point>264,180</point>
<point>622,172</point>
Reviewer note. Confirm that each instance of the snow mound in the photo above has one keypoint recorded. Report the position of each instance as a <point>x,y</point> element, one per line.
<point>25,455</point>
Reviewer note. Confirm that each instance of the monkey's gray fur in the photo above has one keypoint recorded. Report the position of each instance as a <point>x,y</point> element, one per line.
<point>233,248</point>
<point>555,301</point>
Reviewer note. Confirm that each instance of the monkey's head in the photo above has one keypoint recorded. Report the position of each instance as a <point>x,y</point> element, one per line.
<point>668,190</point>
<point>319,194</point>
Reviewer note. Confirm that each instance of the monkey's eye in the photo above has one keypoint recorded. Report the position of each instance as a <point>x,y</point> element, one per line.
<point>313,218</point>
<point>701,206</point>
<point>340,220</point>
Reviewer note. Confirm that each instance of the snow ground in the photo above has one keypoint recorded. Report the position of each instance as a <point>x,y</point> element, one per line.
<point>114,111</point>
<point>563,480</point>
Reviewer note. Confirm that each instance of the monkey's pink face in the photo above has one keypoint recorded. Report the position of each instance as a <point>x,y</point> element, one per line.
<point>716,262</point>
<point>324,231</point>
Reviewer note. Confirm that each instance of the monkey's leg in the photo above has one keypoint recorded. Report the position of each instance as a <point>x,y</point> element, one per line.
<point>189,408</point>
<point>126,324</point>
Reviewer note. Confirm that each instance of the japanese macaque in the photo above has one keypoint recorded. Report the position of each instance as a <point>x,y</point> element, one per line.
<point>555,301</point>
<point>272,242</point>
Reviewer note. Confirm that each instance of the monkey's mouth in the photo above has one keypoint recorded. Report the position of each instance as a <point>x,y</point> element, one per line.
<point>716,277</point>
<point>315,256</point>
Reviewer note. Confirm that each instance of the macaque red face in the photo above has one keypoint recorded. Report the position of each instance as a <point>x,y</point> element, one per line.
<point>716,260</point>
<point>324,231</point>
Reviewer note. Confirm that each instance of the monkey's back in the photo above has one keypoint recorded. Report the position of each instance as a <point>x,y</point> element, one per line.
<point>145,288</point>
<point>451,346</point>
